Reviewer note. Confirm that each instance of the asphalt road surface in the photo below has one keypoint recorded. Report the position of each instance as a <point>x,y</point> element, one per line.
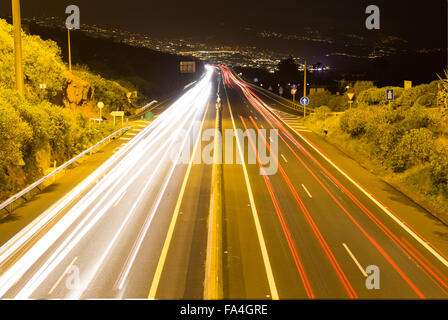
<point>295,225</point>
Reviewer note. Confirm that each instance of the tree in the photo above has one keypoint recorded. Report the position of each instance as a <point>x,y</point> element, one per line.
<point>288,71</point>
<point>443,90</point>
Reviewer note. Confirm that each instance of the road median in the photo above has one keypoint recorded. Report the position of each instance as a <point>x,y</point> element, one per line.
<point>213,284</point>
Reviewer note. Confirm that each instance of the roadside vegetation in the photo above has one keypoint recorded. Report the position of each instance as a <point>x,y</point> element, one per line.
<point>52,122</point>
<point>406,141</point>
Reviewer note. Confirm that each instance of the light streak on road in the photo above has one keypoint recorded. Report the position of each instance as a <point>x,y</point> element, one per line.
<point>114,191</point>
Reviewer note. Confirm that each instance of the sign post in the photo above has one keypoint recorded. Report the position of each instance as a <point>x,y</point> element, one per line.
<point>100,106</point>
<point>304,101</point>
<point>118,114</point>
<point>293,92</point>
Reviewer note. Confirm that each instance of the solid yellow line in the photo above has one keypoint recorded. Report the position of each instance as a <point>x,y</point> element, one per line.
<point>169,236</point>
<point>264,251</point>
<point>62,276</point>
<point>213,265</point>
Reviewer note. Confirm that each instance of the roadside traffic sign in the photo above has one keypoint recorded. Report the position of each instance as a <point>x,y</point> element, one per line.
<point>101,106</point>
<point>350,95</point>
<point>304,101</point>
<point>390,94</point>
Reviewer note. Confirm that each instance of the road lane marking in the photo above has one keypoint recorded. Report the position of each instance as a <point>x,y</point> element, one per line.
<point>312,224</point>
<point>283,156</point>
<point>264,251</point>
<point>143,231</point>
<point>119,199</point>
<point>280,215</point>
<point>309,194</point>
<point>374,200</point>
<point>355,260</point>
<point>351,217</point>
<point>62,276</point>
<point>169,236</point>
<point>86,225</point>
<point>115,168</point>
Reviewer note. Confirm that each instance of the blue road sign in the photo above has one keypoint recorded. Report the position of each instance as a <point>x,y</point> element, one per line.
<point>390,94</point>
<point>294,86</point>
<point>304,101</point>
<point>255,80</point>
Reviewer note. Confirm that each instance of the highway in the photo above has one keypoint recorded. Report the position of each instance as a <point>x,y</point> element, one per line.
<point>110,229</point>
<point>320,230</point>
<point>138,226</point>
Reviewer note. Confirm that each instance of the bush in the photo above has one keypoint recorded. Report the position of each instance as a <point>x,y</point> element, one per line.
<point>439,167</point>
<point>111,93</point>
<point>409,138</point>
<point>42,63</point>
<point>415,147</point>
<point>321,113</point>
<point>354,122</point>
<point>337,103</point>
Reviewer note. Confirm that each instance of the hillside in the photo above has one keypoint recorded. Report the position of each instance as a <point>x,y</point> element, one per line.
<point>154,74</point>
<point>48,124</point>
<point>405,142</point>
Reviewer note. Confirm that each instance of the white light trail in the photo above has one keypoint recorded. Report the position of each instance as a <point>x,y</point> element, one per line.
<point>120,172</point>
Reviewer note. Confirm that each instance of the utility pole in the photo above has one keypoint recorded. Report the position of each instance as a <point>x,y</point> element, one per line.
<point>69,51</point>
<point>304,89</point>
<point>16,20</point>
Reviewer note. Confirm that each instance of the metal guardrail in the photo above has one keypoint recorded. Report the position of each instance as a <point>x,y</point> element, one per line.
<point>36,184</point>
<point>145,107</point>
<point>284,101</point>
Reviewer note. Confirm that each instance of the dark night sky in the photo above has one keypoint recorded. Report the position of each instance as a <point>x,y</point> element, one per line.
<point>420,22</point>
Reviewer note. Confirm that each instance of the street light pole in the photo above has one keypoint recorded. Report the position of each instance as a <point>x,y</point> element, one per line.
<point>304,89</point>
<point>69,51</point>
<point>16,20</point>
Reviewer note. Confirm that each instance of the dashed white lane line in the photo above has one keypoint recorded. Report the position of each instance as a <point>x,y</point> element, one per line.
<point>355,260</point>
<point>309,194</point>
<point>284,157</point>
<point>264,252</point>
